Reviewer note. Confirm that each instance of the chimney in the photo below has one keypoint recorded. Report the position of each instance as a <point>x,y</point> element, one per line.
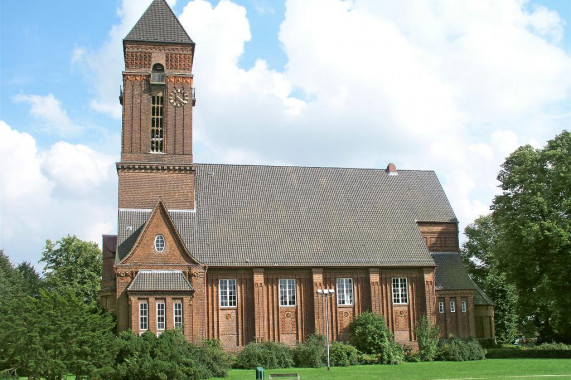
<point>392,169</point>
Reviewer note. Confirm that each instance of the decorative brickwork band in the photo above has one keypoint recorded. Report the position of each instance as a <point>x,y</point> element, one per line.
<point>178,61</point>
<point>138,60</point>
<point>135,77</point>
<point>179,79</point>
<point>121,166</point>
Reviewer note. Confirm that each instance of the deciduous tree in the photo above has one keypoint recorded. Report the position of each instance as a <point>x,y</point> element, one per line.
<point>75,264</point>
<point>533,214</point>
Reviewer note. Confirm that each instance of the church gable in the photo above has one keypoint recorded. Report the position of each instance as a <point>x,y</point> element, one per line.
<point>159,242</point>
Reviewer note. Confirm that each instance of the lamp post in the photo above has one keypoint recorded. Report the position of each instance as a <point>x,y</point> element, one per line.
<point>326,293</point>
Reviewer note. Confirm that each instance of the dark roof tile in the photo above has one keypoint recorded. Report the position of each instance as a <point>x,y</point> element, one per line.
<point>160,280</point>
<point>250,215</point>
<point>159,24</point>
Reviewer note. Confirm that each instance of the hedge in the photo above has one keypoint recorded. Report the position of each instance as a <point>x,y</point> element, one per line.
<point>512,353</point>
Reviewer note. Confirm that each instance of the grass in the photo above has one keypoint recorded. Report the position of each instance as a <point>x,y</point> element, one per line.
<point>519,369</point>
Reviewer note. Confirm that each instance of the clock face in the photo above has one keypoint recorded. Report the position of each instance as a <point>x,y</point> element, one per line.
<point>178,97</point>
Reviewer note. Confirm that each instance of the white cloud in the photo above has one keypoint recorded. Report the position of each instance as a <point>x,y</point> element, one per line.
<point>77,170</point>
<point>104,65</point>
<point>67,189</point>
<point>49,111</point>
<point>450,86</point>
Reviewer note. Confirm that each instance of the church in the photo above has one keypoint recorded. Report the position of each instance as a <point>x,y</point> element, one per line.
<point>243,253</point>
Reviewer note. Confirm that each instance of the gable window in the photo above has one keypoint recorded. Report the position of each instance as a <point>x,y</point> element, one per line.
<point>441,306</point>
<point>400,291</point>
<point>159,243</point>
<point>143,316</point>
<point>177,312</point>
<point>287,292</point>
<point>228,293</point>
<point>463,306</point>
<point>160,315</point>
<point>157,145</point>
<point>452,306</point>
<point>344,291</point>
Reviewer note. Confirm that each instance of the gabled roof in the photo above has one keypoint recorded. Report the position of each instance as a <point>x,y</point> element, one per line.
<point>159,24</point>
<point>134,237</point>
<point>160,280</point>
<point>451,275</point>
<point>292,216</point>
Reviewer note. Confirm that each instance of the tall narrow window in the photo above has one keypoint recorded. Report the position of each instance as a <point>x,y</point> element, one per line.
<point>143,316</point>
<point>463,306</point>
<point>344,291</point>
<point>287,292</point>
<point>452,306</point>
<point>157,143</point>
<point>228,293</point>
<point>400,291</point>
<point>177,309</point>
<point>441,306</point>
<point>160,315</point>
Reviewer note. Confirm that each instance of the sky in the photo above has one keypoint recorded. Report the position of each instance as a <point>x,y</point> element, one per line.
<point>446,85</point>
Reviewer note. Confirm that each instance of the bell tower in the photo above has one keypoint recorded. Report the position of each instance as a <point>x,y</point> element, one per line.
<point>157,97</point>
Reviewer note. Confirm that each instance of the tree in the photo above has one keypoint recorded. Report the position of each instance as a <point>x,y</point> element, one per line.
<point>75,264</point>
<point>55,334</point>
<point>370,334</point>
<point>479,255</point>
<point>428,336</point>
<point>533,214</point>
<point>31,280</point>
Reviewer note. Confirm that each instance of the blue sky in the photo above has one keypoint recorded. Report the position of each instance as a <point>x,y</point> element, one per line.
<point>450,86</point>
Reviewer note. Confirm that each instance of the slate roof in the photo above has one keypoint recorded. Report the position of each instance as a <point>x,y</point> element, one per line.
<point>451,275</point>
<point>160,280</point>
<point>159,24</point>
<point>292,216</point>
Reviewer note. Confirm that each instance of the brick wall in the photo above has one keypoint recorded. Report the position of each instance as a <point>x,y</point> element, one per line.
<point>440,237</point>
<point>141,187</point>
<point>458,323</point>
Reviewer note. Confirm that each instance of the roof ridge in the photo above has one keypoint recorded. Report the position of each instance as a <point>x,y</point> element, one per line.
<point>311,167</point>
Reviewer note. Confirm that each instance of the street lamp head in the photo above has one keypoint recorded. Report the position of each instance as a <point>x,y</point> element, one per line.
<point>319,291</point>
<point>331,291</point>
<point>326,291</point>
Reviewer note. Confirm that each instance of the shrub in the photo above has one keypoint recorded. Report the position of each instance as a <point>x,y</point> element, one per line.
<point>553,346</point>
<point>269,355</point>
<point>488,343</point>
<point>367,359</point>
<point>170,356</point>
<point>427,336</point>
<point>341,354</point>
<point>311,352</point>
<point>370,335</point>
<point>545,350</point>
<point>457,349</point>
<point>211,358</point>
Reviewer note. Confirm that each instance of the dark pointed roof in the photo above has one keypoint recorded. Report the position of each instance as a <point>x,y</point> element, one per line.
<point>159,24</point>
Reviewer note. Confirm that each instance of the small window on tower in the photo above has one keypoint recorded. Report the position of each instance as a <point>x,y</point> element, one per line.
<point>158,74</point>
<point>159,243</point>
<point>157,142</point>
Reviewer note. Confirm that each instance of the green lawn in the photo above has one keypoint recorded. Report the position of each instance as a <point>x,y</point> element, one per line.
<point>519,369</point>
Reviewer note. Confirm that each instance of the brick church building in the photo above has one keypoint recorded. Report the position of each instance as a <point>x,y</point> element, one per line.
<point>238,252</point>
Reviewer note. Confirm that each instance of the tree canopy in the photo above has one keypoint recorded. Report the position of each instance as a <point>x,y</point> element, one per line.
<point>75,264</point>
<point>534,214</point>
<point>526,241</point>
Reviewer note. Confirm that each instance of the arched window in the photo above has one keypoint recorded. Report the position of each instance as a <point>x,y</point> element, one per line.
<point>158,74</point>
